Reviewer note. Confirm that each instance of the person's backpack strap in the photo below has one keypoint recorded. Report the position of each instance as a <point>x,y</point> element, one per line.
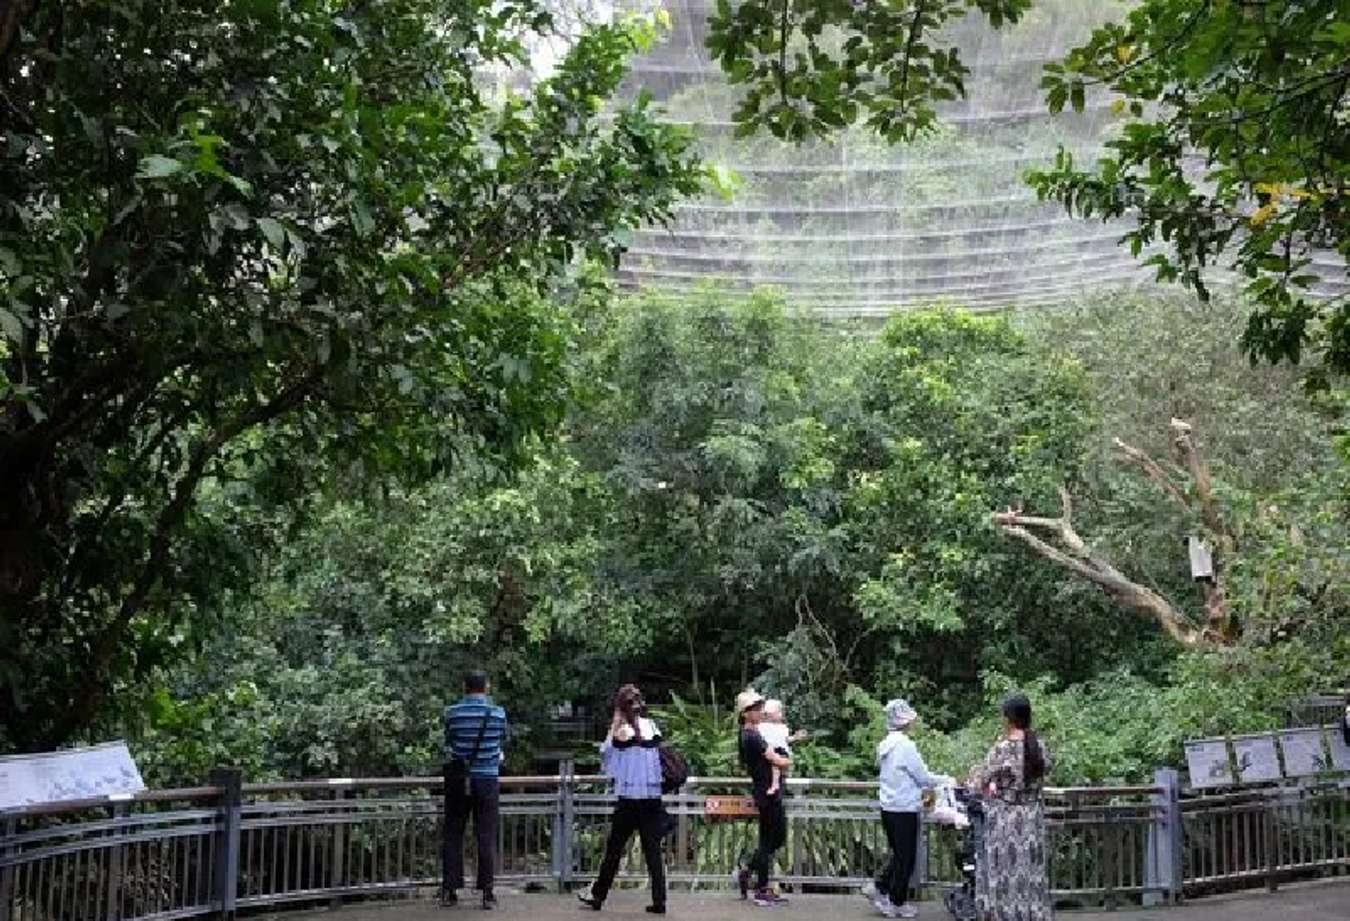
<point>473,754</point>
<point>482,731</point>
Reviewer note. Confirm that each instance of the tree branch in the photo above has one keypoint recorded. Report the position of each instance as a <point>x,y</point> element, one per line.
<point>1153,470</point>
<point>90,690</point>
<point>1084,563</point>
<point>1200,479</point>
<point>1073,554</point>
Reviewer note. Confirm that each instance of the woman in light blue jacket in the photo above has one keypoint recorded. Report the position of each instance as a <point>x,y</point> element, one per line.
<point>904,777</point>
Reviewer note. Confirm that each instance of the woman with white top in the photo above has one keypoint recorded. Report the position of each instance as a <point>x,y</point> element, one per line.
<point>630,756</point>
<point>904,777</point>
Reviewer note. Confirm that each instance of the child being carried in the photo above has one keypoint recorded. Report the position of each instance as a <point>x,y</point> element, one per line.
<point>774,731</point>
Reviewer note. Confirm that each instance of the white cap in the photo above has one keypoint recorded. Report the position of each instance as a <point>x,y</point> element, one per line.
<point>899,713</point>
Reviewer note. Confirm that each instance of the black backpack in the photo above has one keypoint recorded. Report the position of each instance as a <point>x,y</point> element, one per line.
<point>674,769</point>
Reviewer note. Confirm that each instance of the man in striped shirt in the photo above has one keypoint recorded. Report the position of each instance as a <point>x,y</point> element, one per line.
<point>475,733</point>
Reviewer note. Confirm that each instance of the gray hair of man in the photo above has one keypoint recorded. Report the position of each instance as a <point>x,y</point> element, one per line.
<point>899,714</point>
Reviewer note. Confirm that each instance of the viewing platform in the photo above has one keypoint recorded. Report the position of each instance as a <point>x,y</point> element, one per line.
<point>1322,901</point>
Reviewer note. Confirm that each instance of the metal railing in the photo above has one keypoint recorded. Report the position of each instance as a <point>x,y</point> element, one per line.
<point>1264,835</point>
<point>232,846</point>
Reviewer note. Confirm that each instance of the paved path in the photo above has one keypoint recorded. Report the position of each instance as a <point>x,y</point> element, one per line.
<point>1326,901</point>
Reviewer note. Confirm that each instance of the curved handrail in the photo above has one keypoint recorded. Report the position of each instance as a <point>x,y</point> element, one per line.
<point>167,795</point>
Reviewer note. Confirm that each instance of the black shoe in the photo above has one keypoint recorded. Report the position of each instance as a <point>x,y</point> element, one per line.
<point>489,901</point>
<point>448,898</point>
<point>589,902</point>
<point>656,909</point>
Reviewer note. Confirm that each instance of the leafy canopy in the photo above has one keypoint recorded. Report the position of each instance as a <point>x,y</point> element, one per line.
<point>1236,149</point>
<point>810,68</point>
<point>242,238</point>
<point>742,496</point>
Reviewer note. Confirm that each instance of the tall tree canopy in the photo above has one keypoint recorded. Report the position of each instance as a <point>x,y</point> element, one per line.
<point>302,223</point>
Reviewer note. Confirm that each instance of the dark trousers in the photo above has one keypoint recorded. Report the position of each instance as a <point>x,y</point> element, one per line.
<point>647,817</point>
<point>480,801</point>
<point>772,836</point>
<point>902,834</point>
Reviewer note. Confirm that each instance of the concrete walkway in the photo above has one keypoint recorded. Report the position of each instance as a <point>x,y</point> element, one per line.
<point>1325,901</point>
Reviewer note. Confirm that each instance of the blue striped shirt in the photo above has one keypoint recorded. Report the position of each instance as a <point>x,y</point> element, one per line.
<point>463,721</point>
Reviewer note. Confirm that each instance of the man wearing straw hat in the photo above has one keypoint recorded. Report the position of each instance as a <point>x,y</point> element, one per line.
<point>759,761</point>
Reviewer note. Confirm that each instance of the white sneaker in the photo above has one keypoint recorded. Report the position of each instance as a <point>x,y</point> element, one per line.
<point>902,911</point>
<point>869,891</point>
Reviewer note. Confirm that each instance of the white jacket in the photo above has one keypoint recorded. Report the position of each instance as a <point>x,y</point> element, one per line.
<point>904,776</point>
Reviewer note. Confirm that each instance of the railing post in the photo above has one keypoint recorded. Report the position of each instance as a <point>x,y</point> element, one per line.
<point>566,834</point>
<point>117,857</point>
<point>918,879</point>
<point>683,821</point>
<point>1164,877</point>
<point>1270,805</point>
<point>798,863</point>
<point>226,870</point>
<point>338,865</point>
<point>7,872</point>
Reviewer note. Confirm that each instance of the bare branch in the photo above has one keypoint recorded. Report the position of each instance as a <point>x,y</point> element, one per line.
<point>1153,470</point>
<point>1204,486</point>
<point>1078,558</point>
<point>1069,551</point>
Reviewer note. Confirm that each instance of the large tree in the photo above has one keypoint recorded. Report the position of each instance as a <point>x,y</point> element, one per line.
<point>239,235</point>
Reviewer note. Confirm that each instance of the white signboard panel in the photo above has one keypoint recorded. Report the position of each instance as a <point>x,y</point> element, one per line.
<point>1208,764</point>
<point>1303,753</point>
<point>1340,752</point>
<point>1256,759</point>
<point>78,773</point>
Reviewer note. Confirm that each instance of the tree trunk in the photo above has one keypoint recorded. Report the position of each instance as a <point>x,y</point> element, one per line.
<point>1219,627</point>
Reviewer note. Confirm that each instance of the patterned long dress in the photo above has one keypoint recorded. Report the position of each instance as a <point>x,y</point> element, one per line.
<point>1011,879</point>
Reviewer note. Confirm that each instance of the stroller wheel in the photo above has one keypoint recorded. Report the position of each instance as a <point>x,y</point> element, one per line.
<point>960,905</point>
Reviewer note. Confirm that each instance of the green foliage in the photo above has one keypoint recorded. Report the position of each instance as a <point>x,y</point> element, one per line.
<point>1237,148</point>
<point>812,68</point>
<point>343,657</point>
<point>263,243</point>
<point>1270,450</point>
<point>738,496</point>
<point>706,734</point>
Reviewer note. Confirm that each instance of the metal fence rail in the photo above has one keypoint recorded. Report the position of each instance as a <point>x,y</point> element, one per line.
<point>1265,834</point>
<point>152,856</point>
<point>232,846</point>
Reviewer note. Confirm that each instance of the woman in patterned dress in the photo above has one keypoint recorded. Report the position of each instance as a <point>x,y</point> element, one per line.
<point>1011,880</point>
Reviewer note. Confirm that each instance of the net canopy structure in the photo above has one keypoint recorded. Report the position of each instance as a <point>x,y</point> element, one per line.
<point>861,227</point>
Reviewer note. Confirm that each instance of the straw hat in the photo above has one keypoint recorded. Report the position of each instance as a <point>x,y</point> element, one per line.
<point>747,699</point>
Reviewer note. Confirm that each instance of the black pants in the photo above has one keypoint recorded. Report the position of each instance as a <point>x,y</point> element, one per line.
<point>772,836</point>
<point>647,817</point>
<point>481,803</point>
<point>902,834</point>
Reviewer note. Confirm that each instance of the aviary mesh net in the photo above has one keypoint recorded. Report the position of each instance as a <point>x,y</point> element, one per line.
<point>860,227</point>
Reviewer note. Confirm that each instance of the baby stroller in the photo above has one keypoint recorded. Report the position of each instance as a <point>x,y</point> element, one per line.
<point>961,900</point>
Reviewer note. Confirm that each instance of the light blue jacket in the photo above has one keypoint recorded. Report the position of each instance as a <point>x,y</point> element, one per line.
<point>904,776</point>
